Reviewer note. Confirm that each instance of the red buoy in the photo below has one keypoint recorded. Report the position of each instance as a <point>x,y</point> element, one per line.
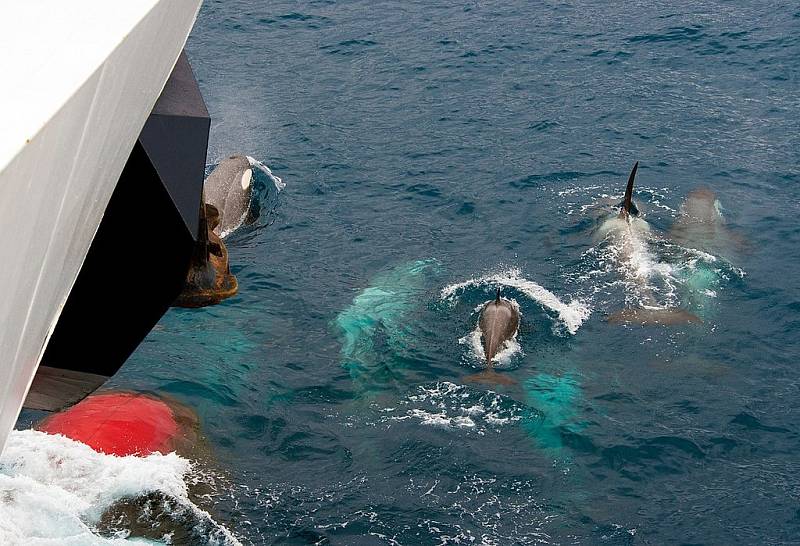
<point>123,423</point>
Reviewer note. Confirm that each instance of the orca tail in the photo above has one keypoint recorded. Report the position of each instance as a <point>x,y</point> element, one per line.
<point>628,201</point>
<point>489,377</point>
<point>654,317</point>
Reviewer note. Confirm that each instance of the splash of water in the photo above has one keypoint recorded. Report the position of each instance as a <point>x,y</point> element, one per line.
<point>276,180</point>
<point>657,273</point>
<point>54,490</point>
<point>571,314</point>
<point>625,248</point>
<point>447,405</point>
<point>662,272</point>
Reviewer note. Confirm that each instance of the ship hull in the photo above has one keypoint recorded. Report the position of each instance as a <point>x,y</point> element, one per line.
<point>55,187</point>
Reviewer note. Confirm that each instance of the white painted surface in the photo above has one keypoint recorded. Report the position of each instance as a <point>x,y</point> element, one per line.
<point>79,80</point>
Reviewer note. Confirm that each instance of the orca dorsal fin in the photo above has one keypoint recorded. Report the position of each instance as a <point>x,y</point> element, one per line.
<point>497,299</point>
<point>627,202</point>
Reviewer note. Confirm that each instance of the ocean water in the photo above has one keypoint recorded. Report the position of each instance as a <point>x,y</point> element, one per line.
<point>431,152</point>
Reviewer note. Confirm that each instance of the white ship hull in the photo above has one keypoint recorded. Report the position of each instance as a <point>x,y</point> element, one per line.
<point>80,79</point>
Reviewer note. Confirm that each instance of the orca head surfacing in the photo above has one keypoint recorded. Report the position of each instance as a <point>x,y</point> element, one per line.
<point>229,188</point>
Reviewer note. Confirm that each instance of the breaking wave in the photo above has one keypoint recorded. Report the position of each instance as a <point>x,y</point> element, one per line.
<point>54,490</point>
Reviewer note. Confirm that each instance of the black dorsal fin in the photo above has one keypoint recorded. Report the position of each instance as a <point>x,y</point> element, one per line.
<point>626,203</point>
<point>497,299</point>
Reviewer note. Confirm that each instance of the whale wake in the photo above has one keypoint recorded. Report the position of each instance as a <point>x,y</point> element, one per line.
<point>570,315</point>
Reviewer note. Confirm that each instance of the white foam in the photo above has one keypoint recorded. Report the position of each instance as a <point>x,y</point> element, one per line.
<point>577,190</point>
<point>441,419</point>
<point>571,314</point>
<point>578,200</point>
<point>447,405</point>
<point>627,249</point>
<point>276,180</point>
<point>54,490</point>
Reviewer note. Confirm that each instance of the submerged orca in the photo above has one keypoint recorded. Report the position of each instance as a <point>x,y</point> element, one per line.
<point>701,225</point>
<point>499,323</point>
<point>627,227</point>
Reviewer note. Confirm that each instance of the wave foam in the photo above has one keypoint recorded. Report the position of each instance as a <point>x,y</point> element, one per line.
<point>627,249</point>
<point>54,490</point>
<point>447,405</point>
<point>276,180</point>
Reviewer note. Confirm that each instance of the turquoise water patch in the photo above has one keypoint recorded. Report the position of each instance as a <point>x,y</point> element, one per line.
<point>702,278</point>
<point>700,284</point>
<point>378,318</point>
<point>556,398</point>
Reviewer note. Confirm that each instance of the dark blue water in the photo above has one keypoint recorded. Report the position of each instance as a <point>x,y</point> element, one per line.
<point>426,144</point>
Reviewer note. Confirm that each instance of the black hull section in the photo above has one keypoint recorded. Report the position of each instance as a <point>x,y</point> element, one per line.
<point>139,258</point>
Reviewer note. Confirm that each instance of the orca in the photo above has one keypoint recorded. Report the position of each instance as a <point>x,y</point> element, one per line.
<point>229,188</point>
<point>701,225</point>
<point>630,233</point>
<point>627,219</point>
<point>499,323</point>
<point>628,207</point>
